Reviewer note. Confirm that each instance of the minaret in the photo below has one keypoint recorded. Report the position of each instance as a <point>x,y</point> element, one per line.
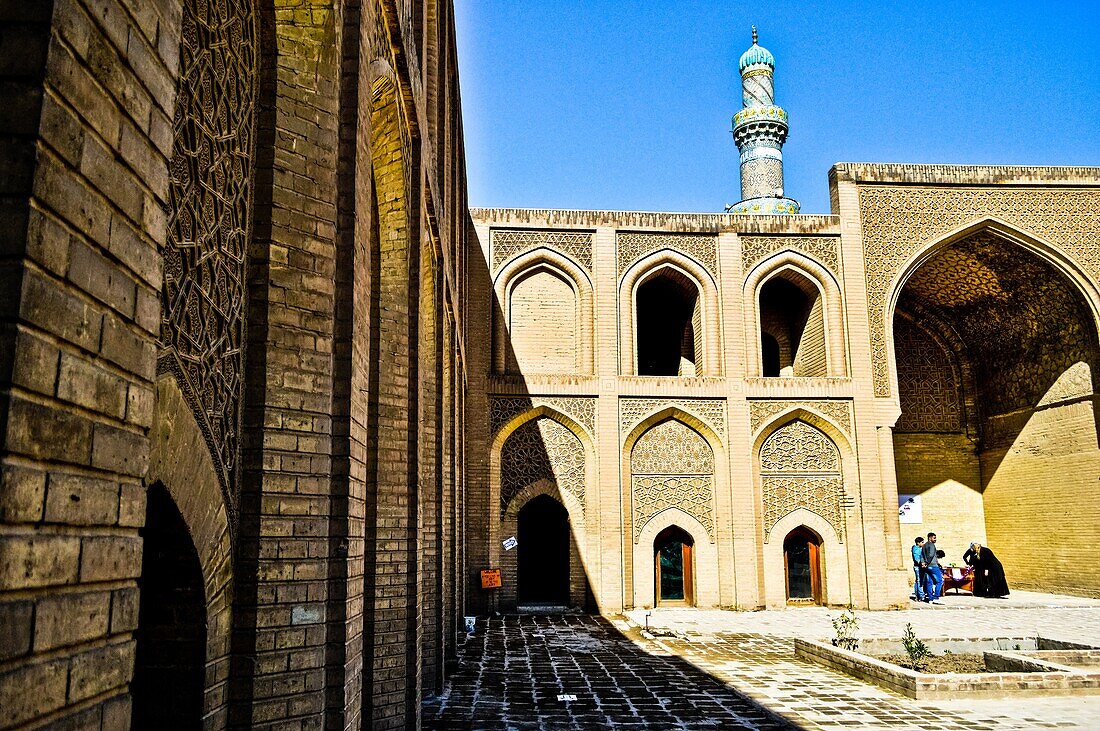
<point>759,130</point>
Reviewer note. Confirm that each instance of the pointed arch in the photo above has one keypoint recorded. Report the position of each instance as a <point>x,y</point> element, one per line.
<point>705,574</point>
<point>563,267</point>
<point>836,585</point>
<point>1044,250</point>
<point>707,321</point>
<point>800,270</point>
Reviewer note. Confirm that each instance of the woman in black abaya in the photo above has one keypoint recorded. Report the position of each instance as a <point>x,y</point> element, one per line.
<point>989,575</point>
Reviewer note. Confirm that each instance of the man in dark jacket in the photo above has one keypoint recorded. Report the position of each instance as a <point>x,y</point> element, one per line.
<point>933,574</point>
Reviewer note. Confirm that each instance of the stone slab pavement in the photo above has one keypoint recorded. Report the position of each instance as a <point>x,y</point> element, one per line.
<point>700,669</point>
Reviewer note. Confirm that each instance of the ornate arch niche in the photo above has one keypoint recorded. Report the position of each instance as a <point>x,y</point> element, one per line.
<point>672,466</point>
<point>541,453</point>
<point>800,467</point>
<point>211,180</point>
<point>544,322</point>
<point>703,322</point>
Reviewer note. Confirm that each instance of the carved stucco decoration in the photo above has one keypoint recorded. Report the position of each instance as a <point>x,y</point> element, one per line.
<point>210,223</point>
<point>701,247</point>
<point>711,412</point>
<point>1019,323</point>
<point>509,243</point>
<point>672,466</point>
<point>800,468</point>
<point>839,412</point>
<point>542,449</point>
<point>896,221</point>
<point>823,249</point>
<point>929,391</point>
<point>503,409</point>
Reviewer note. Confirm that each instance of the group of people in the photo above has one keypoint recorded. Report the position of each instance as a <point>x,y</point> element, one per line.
<point>988,573</point>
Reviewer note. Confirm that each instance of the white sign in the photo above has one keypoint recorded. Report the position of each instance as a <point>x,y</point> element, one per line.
<point>510,543</point>
<point>909,510</point>
<point>567,697</point>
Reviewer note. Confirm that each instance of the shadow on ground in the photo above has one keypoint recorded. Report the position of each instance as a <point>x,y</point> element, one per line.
<point>513,669</point>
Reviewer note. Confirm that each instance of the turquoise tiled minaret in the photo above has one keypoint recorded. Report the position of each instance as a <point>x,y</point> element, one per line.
<point>760,129</point>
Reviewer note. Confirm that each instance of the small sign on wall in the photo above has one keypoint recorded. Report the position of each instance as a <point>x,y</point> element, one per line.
<point>490,579</point>
<point>509,543</point>
<point>909,510</point>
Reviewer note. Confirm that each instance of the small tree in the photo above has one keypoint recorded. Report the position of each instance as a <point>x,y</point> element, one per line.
<point>915,648</point>
<point>845,626</point>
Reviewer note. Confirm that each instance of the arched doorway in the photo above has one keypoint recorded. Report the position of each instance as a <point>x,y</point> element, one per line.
<point>674,567</point>
<point>802,566</point>
<point>542,564</point>
<point>169,667</point>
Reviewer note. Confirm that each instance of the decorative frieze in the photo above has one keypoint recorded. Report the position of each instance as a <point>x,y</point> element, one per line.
<point>711,412</point>
<point>701,247</point>
<point>839,412</point>
<point>509,243</point>
<point>822,249</point>
<point>503,409</point>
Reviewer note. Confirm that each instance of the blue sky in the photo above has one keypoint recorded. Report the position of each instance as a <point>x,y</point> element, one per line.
<point>626,105</point>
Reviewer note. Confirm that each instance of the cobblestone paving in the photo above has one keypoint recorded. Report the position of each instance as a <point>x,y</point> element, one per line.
<point>512,671</point>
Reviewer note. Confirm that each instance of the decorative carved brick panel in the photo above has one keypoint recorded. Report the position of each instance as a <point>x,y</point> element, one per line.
<point>542,449</point>
<point>504,409</point>
<point>897,221</point>
<point>507,244</point>
<point>711,412</point>
<point>822,249</point>
<point>212,168</point>
<point>672,466</point>
<point>839,412</point>
<point>800,468</point>
<point>930,393</point>
<point>702,248</point>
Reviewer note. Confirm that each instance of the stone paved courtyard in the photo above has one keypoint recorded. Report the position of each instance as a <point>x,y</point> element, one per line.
<point>713,669</point>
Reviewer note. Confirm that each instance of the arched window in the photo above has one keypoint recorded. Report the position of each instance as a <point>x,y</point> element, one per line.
<point>673,567</point>
<point>792,327</point>
<point>669,326</point>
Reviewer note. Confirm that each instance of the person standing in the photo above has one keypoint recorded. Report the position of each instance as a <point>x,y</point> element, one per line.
<point>933,573</point>
<point>989,574</point>
<point>918,568</point>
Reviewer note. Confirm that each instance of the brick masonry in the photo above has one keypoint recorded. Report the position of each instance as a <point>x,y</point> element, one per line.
<point>323,561</point>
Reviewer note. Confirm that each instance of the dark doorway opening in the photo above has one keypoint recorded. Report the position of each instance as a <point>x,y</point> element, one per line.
<point>802,564</point>
<point>542,566</point>
<point>169,667</point>
<point>669,326</point>
<point>674,567</point>
<point>792,327</point>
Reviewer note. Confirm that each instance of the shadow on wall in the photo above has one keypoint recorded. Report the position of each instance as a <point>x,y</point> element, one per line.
<point>542,459</point>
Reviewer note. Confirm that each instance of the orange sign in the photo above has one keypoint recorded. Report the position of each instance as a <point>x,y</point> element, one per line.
<point>490,579</point>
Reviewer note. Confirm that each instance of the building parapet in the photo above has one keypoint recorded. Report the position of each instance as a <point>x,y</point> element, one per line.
<point>913,174</point>
<point>647,220</point>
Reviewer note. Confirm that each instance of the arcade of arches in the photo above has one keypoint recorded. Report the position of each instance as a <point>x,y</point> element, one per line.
<point>272,396</point>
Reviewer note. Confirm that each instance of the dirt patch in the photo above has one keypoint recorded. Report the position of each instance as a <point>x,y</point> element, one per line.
<point>956,662</point>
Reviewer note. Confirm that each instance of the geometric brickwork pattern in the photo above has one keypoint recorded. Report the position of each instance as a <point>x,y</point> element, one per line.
<point>822,249</point>
<point>203,321</point>
<point>928,388</point>
<point>700,247</point>
<point>541,449</point>
<point>897,220</point>
<point>839,412</point>
<point>800,468</point>
<point>577,245</point>
<point>503,409</point>
<point>1023,324</point>
<point>672,466</point>
<point>711,412</point>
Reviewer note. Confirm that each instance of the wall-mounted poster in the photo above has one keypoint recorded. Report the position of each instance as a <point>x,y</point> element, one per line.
<point>909,509</point>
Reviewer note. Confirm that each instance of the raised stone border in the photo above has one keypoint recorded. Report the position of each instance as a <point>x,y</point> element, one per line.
<point>1052,679</point>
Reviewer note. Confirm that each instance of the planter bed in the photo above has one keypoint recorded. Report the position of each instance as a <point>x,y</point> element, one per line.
<point>1013,666</point>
